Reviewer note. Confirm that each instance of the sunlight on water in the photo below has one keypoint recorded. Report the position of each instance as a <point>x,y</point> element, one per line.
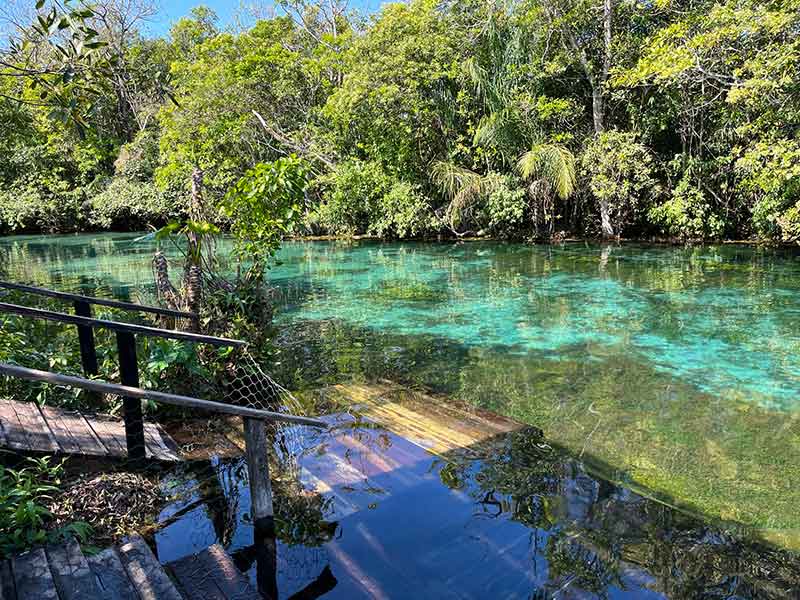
<point>715,319</point>
<point>675,370</point>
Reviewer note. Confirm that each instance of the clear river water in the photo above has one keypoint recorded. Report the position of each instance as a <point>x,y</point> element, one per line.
<point>672,371</point>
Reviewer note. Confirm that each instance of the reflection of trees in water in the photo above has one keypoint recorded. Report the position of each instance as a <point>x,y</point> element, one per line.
<point>599,535</point>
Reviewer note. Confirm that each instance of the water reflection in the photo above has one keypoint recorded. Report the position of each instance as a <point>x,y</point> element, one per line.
<point>508,518</point>
<point>675,370</point>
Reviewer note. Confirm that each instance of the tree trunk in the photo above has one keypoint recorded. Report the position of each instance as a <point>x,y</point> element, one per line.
<point>598,109</point>
<point>193,275</point>
<point>605,219</point>
<point>165,291</point>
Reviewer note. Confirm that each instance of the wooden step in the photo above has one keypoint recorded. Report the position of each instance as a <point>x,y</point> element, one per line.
<point>73,577</point>
<point>112,578</point>
<point>211,575</point>
<point>145,572</point>
<point>32,577</point>
<point>128,572</point>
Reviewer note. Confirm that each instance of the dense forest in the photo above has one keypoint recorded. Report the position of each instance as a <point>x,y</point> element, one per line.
<point>527,119</point>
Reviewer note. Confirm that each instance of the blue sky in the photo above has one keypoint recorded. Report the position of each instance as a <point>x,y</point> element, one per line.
<point>172,10</point>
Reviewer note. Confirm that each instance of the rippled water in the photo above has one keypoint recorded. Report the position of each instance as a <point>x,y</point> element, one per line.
<point>675,371</point>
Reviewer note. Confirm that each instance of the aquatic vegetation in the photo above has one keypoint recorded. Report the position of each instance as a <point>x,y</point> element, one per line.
<point>394,290</point>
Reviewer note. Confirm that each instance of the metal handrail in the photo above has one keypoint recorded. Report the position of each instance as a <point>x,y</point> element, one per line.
<point>49,315</point>
<point>30,289</point>
<point>105,387</point>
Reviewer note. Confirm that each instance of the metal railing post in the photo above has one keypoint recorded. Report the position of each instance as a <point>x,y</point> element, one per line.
<point>132,407</point>
<point>88,349</point>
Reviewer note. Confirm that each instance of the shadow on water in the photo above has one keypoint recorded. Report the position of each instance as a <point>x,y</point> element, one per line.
<point>726,461</point>
<point>510,517</point>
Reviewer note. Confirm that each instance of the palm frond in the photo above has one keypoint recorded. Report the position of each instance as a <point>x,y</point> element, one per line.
<point>551,163</point>
<point>464,187</point>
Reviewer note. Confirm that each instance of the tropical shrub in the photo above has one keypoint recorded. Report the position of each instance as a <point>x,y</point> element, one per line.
<point>687,214</point>
<point>770,179</point>
<point>130,205</point>
<point>789,223</point>
<point>31,205</point>
<point>351,195</point>
<point>264,206</point>
<point>403,211</point>
<point>506,208</point>
<point>620,175</point>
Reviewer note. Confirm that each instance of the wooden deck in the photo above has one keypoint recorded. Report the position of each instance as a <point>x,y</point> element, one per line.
<point>129,571</point>
<point>421,419</point>
<point>26,427</point>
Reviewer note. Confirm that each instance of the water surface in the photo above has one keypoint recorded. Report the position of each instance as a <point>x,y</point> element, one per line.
<point>672,370</point>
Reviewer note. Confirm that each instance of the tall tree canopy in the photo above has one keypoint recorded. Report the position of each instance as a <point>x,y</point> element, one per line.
<point>520,118</point>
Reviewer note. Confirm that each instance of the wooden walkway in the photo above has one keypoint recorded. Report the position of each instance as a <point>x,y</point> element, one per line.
<point>426,421</point>
<point>26,427</point>
<point>129,571</point>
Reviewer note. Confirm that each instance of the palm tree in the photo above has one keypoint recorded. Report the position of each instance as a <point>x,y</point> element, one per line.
<point>465,189</point>
<point>505,123</point>
<point>549,170</point>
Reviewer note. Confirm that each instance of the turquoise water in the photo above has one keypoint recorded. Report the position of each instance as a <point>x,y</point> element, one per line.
<point>673,370</point>
<point>719,319</point>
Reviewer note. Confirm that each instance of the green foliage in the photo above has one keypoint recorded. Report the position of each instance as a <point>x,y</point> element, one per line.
<point>687,214</point>
<point>551,164</point>
<point>396,103</point>
<point>77,67</point>
<point>127,204</point>
<point>409,122</point>
<point>23,516</point>
<point>771,181</point>
<point>403,211</point>
<point>506,208</point>
<point>789,223</point>
<point>264,206</point>
<point>350,196</point>
<point>620,174</point>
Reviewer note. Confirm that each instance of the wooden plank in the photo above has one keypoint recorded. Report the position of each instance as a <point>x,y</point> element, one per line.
<point>195,581</point>
<point>72,432</point>
<point>98,301</point>
<point>123,390</point>
<point>73,578</point>
<point>232,582</point>
<point>13,430</point>
<point>39,435</point>
<point>49,315</point>
<point>111,577</point>
<point>7,591</point>
<point>144,571</point>
<point>32,577</point>
<point>168,442</point>
<point>110,433</point>
<point>156,447</point>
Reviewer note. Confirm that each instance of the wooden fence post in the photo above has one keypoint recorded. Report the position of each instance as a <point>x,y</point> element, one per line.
<point>256,448</point>
<point>88,350</point>
<point>261,507</point>
<point>132,407</point>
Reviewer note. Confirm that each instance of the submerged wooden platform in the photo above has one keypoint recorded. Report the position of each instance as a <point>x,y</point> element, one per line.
<point>129,571</point>
<point>439,427</point>
<point>26,427</point>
